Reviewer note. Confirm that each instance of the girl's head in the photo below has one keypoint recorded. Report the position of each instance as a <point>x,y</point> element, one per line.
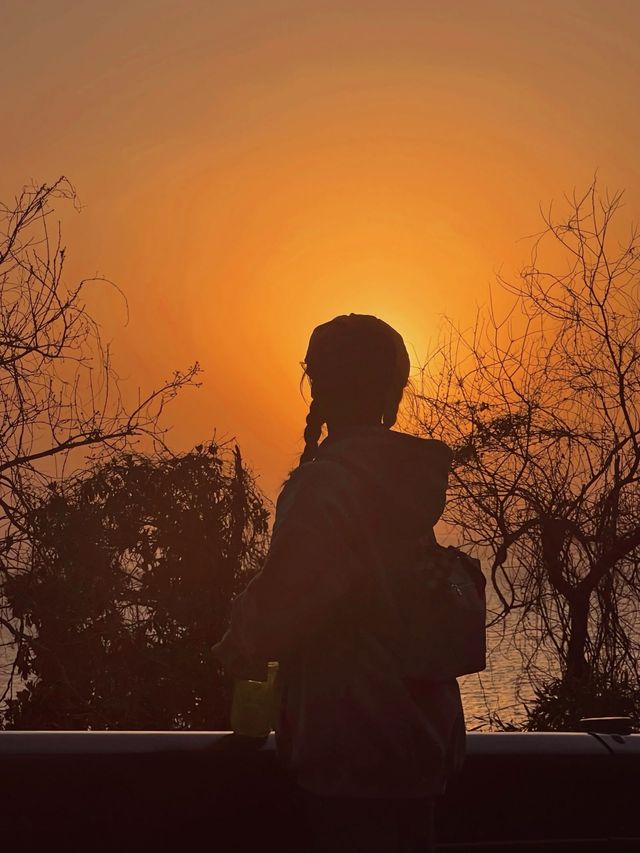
<point>358,367</point>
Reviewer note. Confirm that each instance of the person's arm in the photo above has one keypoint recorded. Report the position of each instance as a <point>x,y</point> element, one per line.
<point>309,567</point>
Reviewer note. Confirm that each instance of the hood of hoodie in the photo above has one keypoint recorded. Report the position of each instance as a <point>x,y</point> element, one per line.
<point>407,474</point>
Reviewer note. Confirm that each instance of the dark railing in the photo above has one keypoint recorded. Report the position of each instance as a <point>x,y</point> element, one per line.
<point>187,791</point>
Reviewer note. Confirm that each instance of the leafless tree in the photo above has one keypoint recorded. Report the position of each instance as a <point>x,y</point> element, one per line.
<point>59,395</point>
<point>542,406</point>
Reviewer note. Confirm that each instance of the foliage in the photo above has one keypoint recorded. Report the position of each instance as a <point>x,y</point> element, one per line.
<point>59,395</point>
<point>560,704</point>
<point>131,571</point>
<point>542,407</point>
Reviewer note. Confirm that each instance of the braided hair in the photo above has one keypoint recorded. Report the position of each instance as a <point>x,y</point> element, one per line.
<point>312,432</point>
<point>358,366</point>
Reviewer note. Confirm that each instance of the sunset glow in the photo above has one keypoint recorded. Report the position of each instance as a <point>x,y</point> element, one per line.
<point>251,170</point>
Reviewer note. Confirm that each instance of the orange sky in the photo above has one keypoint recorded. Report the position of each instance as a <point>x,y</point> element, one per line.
<point>249,170</point>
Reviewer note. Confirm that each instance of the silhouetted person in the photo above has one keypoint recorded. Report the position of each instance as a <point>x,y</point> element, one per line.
<point>369,748</point>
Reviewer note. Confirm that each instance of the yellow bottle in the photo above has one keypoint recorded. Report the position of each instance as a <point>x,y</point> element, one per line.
<point>254,704</point>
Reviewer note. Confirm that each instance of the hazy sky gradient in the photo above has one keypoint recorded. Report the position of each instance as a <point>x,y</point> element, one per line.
<point>249,170</point>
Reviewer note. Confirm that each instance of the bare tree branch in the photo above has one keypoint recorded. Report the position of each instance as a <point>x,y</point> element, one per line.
<point>541,404</point>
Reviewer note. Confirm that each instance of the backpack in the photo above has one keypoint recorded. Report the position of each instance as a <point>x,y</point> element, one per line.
<point>439,597</point>
<point>439,605</point>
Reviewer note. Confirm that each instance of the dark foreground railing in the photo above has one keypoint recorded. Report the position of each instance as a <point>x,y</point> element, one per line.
<point>184,791</point>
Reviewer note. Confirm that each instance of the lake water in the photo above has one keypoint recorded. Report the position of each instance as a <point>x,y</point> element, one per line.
<point>499,691</point>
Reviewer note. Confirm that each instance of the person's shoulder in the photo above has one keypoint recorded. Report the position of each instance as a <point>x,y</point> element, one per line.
<point>439,450</point>
<point>433,450</point>
<point>436,445</point>
<point>318,474</point>
<point>322,480</point>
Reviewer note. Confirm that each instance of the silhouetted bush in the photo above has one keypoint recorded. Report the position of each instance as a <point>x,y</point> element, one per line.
<point>130,574</point>
<point>60,398</point>
<point>560,704</point>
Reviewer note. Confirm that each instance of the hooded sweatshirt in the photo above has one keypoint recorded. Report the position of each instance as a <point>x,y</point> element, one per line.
<point>349,723</point>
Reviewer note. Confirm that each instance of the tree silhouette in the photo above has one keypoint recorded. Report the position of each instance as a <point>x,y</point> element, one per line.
<point>542,406</point>
<point>132,570</point>
<point>59,395</point>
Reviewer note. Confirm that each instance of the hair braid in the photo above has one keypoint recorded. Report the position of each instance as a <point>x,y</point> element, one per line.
<point>312,432</point>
